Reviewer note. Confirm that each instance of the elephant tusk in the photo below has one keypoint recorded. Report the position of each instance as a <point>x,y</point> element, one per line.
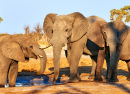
<point>40,56</point>
<point>44,47</point>
<point>65,48</point>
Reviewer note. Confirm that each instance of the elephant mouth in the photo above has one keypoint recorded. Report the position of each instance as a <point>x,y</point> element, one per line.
<point>26,59</point>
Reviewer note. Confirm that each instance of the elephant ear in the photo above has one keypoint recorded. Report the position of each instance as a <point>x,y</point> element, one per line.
<point>95,34</point>
<point>80,26</point>
<point>13,51</point>
<point>122,30</point>
<point>48,24</point>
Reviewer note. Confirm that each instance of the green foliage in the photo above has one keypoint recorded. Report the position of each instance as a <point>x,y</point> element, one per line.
<point>122,14</point>
<point>1,19</point>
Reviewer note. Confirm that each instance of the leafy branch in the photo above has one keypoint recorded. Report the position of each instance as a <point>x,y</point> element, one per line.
<point>122,14</point>
<point>1,19</point>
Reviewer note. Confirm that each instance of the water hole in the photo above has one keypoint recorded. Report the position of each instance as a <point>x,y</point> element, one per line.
<point>31,79</point>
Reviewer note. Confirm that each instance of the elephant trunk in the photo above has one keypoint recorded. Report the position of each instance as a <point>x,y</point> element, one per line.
<point>57,43</point>
<point>114,58</point>
<point>56,56</point>
<point>43,60</point>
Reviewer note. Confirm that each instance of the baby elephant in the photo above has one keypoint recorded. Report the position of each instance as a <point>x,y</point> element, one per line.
<point>15,48</point>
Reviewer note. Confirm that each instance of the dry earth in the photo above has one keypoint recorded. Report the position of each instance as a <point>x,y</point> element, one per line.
<point>86,86</point>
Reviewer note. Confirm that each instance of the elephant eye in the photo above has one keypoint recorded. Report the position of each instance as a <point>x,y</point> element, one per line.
<point>66,30</point>
<point>31,46</point>
<point>104,32</point>
<point>52,31</point>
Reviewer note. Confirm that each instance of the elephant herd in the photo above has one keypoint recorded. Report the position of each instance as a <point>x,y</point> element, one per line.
<point>80,35</point>
<point>91,36</point>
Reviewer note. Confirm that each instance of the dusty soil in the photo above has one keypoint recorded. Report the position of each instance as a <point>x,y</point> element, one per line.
<point>86,86</point>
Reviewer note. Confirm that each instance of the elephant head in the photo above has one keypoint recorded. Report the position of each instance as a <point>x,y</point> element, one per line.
<point>66,29</point>
<point>21,48</point>
<point>114,34</point>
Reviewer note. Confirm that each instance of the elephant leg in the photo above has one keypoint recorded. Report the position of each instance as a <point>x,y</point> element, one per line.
<point>108,64</point>
<point>3,73</point>
<point>68,55</point>
<point>76,53</point>
<point>100,62</point>
<point>94,63</point>
<point>128,65</point>
<point>12,75</point>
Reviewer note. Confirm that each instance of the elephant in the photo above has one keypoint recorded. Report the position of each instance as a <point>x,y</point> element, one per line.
<point>117,37</point>
<point>72,30</point>
<point>15,48</point>
<point>48,29</point>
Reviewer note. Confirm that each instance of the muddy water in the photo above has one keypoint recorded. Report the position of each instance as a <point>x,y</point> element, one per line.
<point>31,79</point>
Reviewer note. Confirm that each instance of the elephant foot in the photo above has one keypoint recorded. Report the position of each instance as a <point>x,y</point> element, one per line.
<point>79,78</point>
<point>54,82</point>
<point>75,80</point>
<point>128,79</point>
<point>97,79</point>
<point>91,77</point>
<point>113,80</point>
<point>11,85</point>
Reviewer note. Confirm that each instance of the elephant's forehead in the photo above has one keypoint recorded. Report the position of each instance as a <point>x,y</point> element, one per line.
<point>60,23</point>
<point>62,19</point>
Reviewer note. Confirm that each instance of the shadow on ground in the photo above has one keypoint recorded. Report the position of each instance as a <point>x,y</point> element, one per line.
<point>86,69</point>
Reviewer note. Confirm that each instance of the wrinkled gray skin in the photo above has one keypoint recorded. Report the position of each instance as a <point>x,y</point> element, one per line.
<point>117,37</point>
<point>72,29</point>
<point>15,48</point>
<point>48,29</point>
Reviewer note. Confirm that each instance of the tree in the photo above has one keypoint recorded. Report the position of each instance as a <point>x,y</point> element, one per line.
<point>38,28</point>
<point>38,32</point>
<point>27,31</point>
<point>1,19</point>
<point>122,14</point>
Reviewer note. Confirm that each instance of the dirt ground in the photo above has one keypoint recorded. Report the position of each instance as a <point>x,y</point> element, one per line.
<point>86,86</point>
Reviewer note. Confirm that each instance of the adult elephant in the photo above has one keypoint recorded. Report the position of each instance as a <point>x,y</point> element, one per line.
<point>72,30</point>
<point>117,37</point>
<point>48,29</point>
<point>14,48</point>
